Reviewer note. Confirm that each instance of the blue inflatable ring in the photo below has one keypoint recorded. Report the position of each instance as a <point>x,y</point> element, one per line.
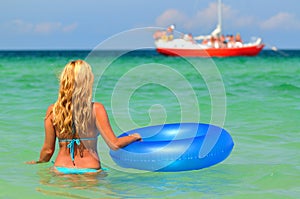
<point>175,147</point>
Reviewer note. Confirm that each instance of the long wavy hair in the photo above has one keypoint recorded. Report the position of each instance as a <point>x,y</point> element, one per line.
<point>72,112</point>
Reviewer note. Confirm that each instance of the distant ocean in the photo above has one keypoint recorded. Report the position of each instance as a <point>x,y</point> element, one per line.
<point>261,97</point>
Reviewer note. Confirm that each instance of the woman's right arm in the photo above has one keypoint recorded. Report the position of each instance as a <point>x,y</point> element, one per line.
<point>103,125</point>
<point>49,140</point>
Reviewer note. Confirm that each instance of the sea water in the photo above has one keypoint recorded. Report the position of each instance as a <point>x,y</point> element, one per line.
<point>256,99</point>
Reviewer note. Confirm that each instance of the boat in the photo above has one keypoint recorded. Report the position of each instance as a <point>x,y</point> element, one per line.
<point>212,45</point>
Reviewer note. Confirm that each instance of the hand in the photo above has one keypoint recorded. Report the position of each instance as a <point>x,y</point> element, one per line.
<point>137,136</point>
<point>32,162</point>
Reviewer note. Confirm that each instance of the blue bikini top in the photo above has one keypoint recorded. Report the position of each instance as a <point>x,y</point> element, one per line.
<point>72,143</point>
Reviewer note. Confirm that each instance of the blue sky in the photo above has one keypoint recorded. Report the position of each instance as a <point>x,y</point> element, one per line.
<point>83,24</point>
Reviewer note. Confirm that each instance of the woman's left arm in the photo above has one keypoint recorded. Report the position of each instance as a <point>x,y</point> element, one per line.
<point>49,141</point>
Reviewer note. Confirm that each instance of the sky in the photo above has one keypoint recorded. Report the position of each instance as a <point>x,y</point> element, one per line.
<point>84,24</point>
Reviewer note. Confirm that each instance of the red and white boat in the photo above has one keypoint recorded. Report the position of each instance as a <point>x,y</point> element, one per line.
<point>180,47</point>
<point>204,46</point>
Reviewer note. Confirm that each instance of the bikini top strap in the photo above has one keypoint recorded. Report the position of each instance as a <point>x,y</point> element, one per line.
<point>69,140</point>
<point>71,146</point>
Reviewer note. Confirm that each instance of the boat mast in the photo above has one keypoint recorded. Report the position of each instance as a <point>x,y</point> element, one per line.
<point>219,26</point>
<point>218,31</point>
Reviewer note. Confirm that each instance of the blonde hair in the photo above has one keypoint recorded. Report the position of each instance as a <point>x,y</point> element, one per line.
<point>72,112</point>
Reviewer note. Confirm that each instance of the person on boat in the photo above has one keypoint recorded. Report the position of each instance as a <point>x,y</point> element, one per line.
<point>169,32</point>
<point>238,40</point>
<point>227,39</point>
<point>157,35</point>
<point>77,122</point>
<point>223,42</point>
<point>231,42</point>
<point>165,35</point>
<point>211,42</point>
<point>215,42</point>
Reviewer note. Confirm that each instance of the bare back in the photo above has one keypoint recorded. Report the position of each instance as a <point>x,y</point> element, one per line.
<point>84,154</point>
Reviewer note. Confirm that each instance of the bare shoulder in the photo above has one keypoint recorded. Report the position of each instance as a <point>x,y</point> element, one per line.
<point>50,107</point>
<point>98,106</point>
<point>49,111</point>
<point>99,109</point>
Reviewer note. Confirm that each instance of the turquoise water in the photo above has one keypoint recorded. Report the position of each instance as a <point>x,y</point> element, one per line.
<point>262,97</point>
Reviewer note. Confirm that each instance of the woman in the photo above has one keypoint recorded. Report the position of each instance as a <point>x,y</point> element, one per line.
<point>76,121</point>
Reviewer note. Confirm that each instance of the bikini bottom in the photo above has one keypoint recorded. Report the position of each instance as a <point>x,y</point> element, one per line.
<point>66,170</point>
